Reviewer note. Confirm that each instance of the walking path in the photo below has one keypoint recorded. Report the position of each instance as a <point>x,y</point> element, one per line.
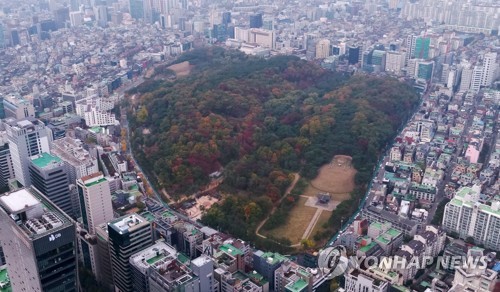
<point>288,191</point>
<point>313,222</point>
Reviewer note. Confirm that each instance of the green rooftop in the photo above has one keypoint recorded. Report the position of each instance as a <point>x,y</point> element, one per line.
<point>148,216</point>
<point>4,279</point>
<point>96,182</point>
<point>45,159</point>
<point>229,249</point>
<point>96,129</point>
<point>273,258</point>
<point>383,240</point>
<point>393,232</point>
<point>182,258</point>
<point>368,247</point>
<point>167,214</point>
<point>155,259</point>
<point>297,286</point>
<point>376,225</point>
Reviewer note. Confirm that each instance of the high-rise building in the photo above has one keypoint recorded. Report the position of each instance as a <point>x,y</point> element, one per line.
<point>353,55</point>
<point>38,241</point>
<point>322,49</point>
<point>96,112</point>
<point>394,62</point>
<point>425,70</point>
<point>95,201</point>
<point>48,175</point>
<point>477,78</point>
<point>6,168</point>
<point>18,108</point>
<point>469,218</point>
<point>256,20</point>
<point>27,138</point>
<point>94,196</point>
<point>465,78</point>
<point>226,17</point>
<point>422,46</point>
<point>410,47</point>
<point>490,69</point>
<point>101,15</point>
<point>127,235</point>
<point>136,8</point>
<point>76,18</point>
<point>2,36</point>
<point>378,59</point>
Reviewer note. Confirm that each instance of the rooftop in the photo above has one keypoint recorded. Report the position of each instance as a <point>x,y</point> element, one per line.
<point>126,223</point>
<point>156,256</point>
<point>71,150</point>
<point>46,160</point>
<point>34,215</point>
<point>19,201</point>
<point>4,280</point>
<point>273,258</point>
<point>93,179</point>
<point>228,248</point>
<point>297,286</point>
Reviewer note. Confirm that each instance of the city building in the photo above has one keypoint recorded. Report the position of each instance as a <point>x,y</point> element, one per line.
<point>27,138</point>
<point>359,280</point>
<point>103,267</point>
<point>95,201</point>
<point>262,37</point>
<point>136,8</point>
<point>6,167</point>
<point>76,18</point>
<point>421,51</point>
<point>466,216</point>
<point>79,162</point>
<point>490,69</point>
<point>127,235</point>
<point>38,240</point>
<point>292,277</point>
<point>17,107</point>
<point>96,111</point>
<point>256,20</point>
<point>425,70</point>
<point>267,263</point>
<point>323,49</point>
<point>474,278</point>
<point>156,257</point>
<point>48,175</point>
<point>203,268</point>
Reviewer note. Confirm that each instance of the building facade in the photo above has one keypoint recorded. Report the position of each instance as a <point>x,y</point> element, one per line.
<point>27,138</point>
<point>38,241</point>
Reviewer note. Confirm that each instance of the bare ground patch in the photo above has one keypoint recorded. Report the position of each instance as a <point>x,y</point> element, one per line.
<point>181,69</point>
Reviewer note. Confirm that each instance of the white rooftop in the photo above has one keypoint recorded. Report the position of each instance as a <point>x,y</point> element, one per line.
<point>24,123</point>
<point>201,261</point>
<point>18,201</point>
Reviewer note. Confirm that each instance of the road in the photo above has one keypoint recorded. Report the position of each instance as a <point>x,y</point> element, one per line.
<point>129,153</point>
<point>440,195</point>
<point>288,191</point>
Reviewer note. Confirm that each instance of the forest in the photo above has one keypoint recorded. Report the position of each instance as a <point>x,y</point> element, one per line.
<point>260,120</point>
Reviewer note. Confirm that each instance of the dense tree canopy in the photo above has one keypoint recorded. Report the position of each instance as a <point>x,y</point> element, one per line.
<point>261,120</point>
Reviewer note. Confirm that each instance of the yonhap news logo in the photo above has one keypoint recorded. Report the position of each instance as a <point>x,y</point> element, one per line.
<point>333,261</point>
